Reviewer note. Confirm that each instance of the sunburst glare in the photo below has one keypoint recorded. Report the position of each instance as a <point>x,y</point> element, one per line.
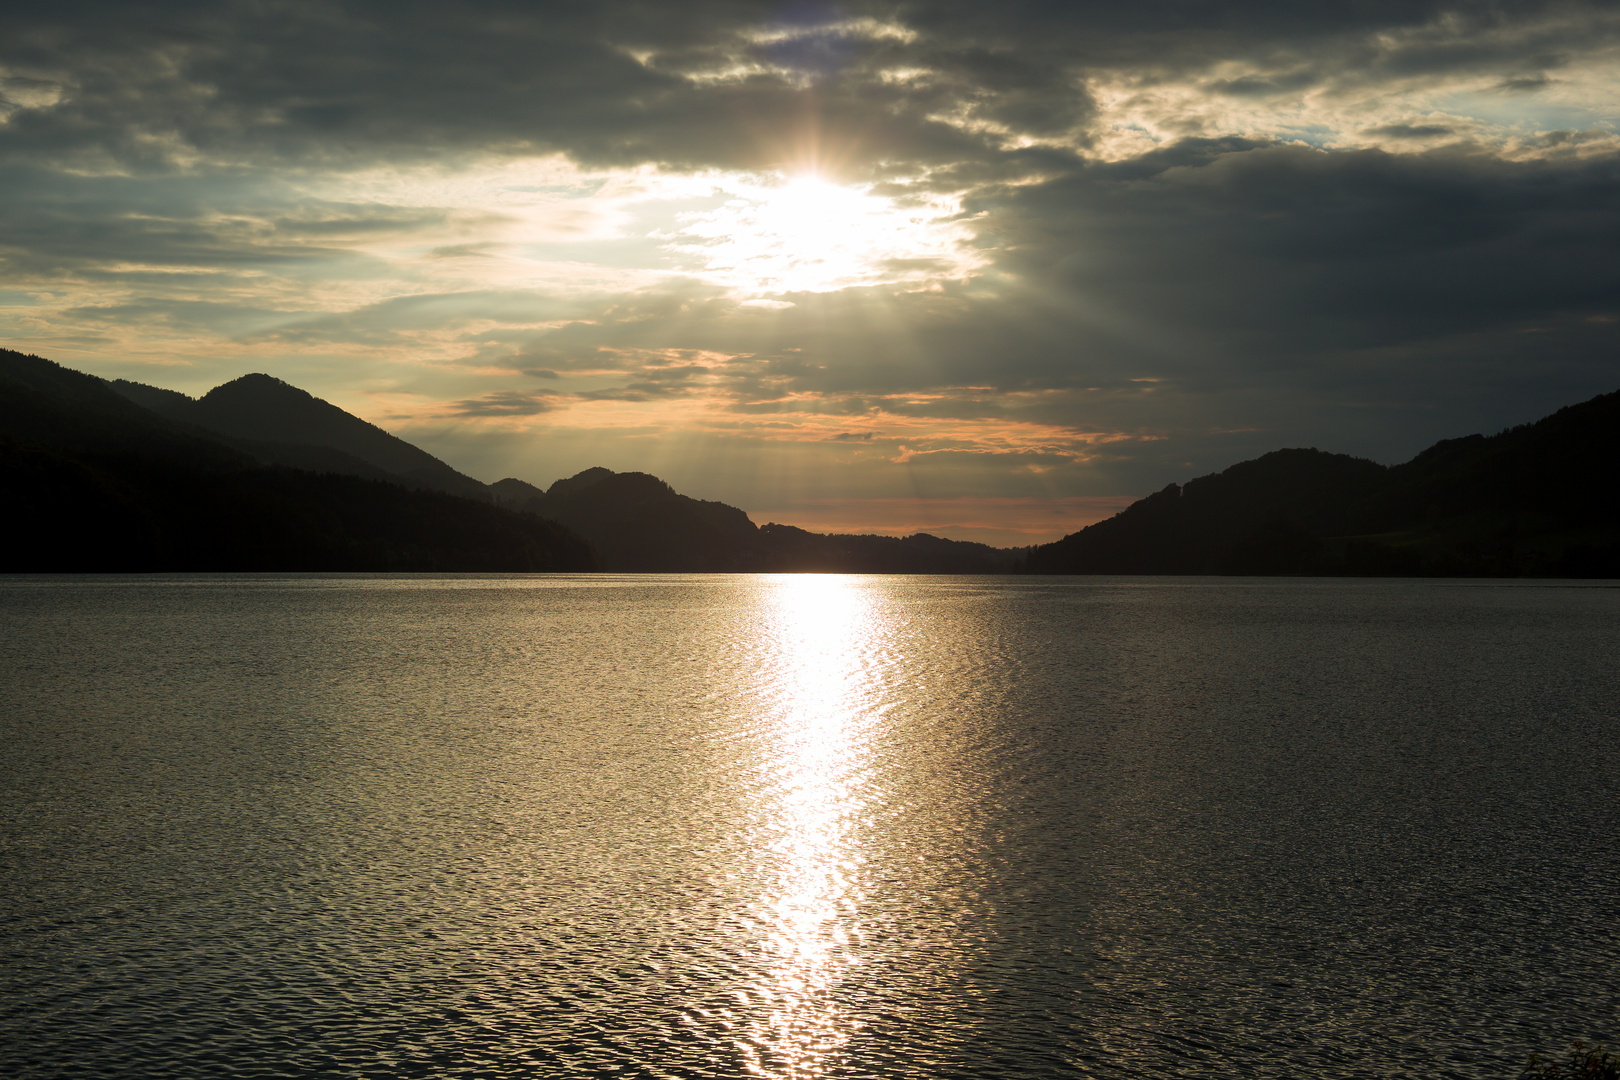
<point>806,234</point>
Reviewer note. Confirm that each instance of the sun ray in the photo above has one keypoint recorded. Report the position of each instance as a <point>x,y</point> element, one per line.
<point>803,233</point>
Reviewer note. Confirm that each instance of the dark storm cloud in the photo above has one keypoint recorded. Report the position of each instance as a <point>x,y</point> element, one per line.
<point>864,88</point>
<point>1277,246</point>
<point>146,84</point>
<point>151,85</point>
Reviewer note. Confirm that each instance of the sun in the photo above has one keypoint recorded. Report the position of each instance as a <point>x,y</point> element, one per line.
<point>792,234</point>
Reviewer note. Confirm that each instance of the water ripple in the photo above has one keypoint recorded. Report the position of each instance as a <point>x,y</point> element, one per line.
<point>803,827</point>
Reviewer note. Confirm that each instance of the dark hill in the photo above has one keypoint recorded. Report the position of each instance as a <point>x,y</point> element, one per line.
<point>786,548</point>
<point>1564,468</point>
<point>47,405</point>
<point>1538,499</point>
<point>125,476</point>
<point>145,479</point>
<point>514,493</point>
<point>281,424</point>
<point>1264,512</point>
<point>638,523</point>
<point>95,481</point>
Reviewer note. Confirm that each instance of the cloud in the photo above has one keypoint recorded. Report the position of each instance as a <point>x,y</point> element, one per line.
<point>158,87</point>
<point>501,403</point>
<point>1412,131</point>
<point>1363,226</point>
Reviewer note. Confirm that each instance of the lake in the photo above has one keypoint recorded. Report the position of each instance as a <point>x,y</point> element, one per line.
<point>805,826</point>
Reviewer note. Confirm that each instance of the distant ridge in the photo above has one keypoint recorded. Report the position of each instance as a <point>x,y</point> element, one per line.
<point>1538,499</point>
<point>637,522</point>
<point>94,481</point>
<point>281,424</point>
<point>260,475</point>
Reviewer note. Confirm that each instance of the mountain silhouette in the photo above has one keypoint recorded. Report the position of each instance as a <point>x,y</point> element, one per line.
<point>260,475</point>
<point>637,522</point>
<point>280,424</point>
<point>1538,499</point>
<point>95,481</point>
<point>786,547</point>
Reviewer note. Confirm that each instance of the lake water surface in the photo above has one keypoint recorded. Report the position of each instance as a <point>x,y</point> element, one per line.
<point>805,826</point>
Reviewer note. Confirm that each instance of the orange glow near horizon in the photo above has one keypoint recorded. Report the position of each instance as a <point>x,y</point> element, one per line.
<point>998,521</point>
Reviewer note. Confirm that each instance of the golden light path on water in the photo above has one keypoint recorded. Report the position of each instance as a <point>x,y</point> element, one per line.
<point>825,635</point>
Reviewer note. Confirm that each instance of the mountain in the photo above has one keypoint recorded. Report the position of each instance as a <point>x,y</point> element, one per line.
<point>259,475</point>
<point>639,523</point>
<point>94,480</point>
<point>280,424</point>
<point>1538,499</point>
<point>784,547</point>
<point>514,493</point>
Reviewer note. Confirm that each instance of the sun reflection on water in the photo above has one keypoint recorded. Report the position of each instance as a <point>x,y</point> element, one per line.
<point>825,639</point>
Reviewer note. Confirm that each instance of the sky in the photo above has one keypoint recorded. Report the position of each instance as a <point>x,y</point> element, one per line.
<point>990,271</point>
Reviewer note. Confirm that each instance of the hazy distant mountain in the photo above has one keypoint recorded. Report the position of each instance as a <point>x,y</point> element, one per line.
<point>92,480</point>
<point>785,547</point>
<point>1542,498</point>
<point>514,493</point>
<point>281,424</point>
<point>637,522</point>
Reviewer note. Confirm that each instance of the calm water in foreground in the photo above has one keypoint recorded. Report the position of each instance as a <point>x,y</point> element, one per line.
<point>805,826</point>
